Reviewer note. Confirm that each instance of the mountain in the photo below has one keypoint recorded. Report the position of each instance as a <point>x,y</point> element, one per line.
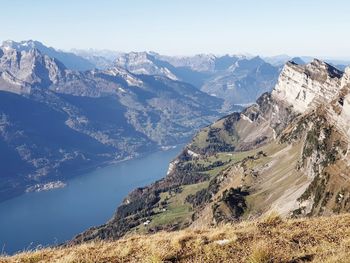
<point>101,59</point>
<point>287,154</point>
<point>70,60</point>
<point>236,79</point>
<point>243,82</point>
<point>57,122</point>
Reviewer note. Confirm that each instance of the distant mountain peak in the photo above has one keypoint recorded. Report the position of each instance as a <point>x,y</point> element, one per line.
<point>25,45</point>
<point>27,64</point>
<point>70,60</point>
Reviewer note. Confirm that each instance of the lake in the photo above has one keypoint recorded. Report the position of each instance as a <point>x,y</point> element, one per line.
<point>52,217</point>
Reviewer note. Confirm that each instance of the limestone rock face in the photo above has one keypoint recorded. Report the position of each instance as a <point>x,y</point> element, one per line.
<point>346,77</point>
<point>29,66</point>
<point>340,109</point>
<point>307,85</point>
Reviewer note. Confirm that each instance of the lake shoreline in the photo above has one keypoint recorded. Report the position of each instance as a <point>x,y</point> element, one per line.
<point>83,170</point>
<point>49,218</point>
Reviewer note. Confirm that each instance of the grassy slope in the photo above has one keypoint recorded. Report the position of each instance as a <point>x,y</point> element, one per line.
<point>271,239</point>
<point>279,184</point>
<point>178,211</point>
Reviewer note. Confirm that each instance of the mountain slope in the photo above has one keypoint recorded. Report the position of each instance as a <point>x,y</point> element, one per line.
<point>270,239</point>
<point>287,153</point>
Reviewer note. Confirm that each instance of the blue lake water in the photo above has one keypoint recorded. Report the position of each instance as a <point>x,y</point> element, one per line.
<point>55,216</point>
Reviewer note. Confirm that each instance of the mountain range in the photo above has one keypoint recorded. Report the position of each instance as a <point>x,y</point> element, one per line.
<point>236,79</point>
<point>57,121</point>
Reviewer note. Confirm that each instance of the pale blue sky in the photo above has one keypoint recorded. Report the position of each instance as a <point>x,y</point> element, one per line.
<point>265,27</point>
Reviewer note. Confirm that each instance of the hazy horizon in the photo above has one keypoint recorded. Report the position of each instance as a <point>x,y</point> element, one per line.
<point>340,59</point>
<point>298,28</point>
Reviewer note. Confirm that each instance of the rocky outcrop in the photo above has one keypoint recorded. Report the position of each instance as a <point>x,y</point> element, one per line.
<point>303,86</point>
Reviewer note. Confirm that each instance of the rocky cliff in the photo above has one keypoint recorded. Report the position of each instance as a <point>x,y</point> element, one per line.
<point>314,83</point>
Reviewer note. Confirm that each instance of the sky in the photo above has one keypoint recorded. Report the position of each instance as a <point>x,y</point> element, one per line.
<point>318,28</point>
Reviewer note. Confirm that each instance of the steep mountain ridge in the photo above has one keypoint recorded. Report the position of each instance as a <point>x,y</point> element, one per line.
<point>312,166</point>
<point>287,153</point>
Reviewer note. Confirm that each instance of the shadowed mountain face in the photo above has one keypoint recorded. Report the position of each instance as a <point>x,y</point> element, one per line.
<point>37,142</point>
<point>56,121</point>
<point>287,153</point>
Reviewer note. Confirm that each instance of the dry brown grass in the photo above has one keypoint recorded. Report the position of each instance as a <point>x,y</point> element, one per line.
<point>271,239</point>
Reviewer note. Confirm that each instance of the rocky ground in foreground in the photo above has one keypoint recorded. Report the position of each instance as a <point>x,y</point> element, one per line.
<point>269,239</point>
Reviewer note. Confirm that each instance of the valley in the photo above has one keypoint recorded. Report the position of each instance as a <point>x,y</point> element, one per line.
<point>57,121</point>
